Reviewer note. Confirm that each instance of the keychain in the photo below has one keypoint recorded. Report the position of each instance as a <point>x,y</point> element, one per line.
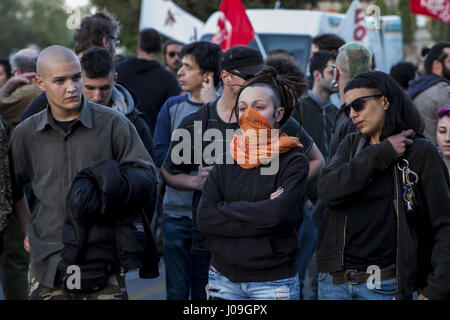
<point>409,179</point>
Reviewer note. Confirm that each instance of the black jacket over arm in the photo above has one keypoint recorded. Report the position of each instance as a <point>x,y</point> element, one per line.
<point>105,219</point>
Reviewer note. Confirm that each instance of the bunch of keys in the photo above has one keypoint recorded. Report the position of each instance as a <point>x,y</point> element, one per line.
<point>409,179</point>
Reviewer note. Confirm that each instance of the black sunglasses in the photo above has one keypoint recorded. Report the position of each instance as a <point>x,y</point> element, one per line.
<point>359,103</point>
<point>173,54</point>
<point>246,77</point>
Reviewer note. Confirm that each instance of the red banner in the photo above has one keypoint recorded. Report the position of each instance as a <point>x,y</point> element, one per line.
<point>234,26</point>
<point>439,9</point>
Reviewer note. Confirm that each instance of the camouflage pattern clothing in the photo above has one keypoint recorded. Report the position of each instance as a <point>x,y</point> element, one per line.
<point>114,290</point>
<point>5,176</point>
<point>14,262</point>
<point>14,259</point>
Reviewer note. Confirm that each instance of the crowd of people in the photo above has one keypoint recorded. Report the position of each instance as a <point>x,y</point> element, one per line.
<point>249,177</point>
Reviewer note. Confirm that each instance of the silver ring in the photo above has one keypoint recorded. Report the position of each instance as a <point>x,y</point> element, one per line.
<point>416,177</point>
<point>398,165</point>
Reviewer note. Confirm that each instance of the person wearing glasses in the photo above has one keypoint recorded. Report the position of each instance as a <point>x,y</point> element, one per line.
<point>386,231</point>
<point>98,30</point>
<point>171,56</point>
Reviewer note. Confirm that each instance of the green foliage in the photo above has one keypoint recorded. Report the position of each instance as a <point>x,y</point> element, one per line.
<point>32,21</point>
<point>128,14</point>
<point>440,31</point>
<point>345,5</point>
<point>408,21</point>
<point>384,8</point>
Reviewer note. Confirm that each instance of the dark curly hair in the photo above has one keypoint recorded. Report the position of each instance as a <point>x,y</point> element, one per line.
<point>284,90</point>
<point>435,53</point>
<point>403,73</point>
<point>206,55</point>
<point>97,63</point>
<point>319,61</point>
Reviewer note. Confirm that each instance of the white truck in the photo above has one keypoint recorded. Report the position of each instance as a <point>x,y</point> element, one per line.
<point>292,30</point>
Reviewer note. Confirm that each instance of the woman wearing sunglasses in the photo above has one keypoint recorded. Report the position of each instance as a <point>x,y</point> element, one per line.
<point>386,232</point>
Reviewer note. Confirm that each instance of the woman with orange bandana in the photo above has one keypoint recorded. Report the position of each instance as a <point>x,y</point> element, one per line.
<point>252,206</point>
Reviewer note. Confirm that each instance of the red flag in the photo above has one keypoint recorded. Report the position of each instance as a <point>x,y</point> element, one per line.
<point>234,26</point>
<point>439,9</point>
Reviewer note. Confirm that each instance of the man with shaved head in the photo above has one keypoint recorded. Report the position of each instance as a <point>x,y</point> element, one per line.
<point>59,75</point>
<point>74,143</point>
<point>98,30</point>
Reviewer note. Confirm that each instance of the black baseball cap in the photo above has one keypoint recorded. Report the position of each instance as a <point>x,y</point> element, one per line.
<point>242,61</point>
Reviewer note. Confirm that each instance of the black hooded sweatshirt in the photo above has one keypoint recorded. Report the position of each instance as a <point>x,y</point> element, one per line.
<point>150,82</point>
<point>251,237</point>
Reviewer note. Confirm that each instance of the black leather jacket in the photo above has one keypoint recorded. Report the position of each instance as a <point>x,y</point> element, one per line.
<point>423,238</point>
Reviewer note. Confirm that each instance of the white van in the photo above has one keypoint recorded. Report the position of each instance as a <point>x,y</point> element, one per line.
<point>293,30</point>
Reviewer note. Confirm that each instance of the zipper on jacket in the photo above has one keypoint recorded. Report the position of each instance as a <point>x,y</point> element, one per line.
<point>66,163</point>
<point>398,294</point>
<point>343,245</point>
<point>324,123</point>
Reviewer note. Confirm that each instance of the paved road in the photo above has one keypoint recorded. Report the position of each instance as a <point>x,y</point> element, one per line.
<point>141,289</point>
<point>146,289</point>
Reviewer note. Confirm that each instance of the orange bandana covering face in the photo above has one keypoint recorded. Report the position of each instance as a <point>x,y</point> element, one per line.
<point>259,142</point>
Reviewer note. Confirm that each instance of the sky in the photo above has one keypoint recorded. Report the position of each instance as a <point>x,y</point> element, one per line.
<point>76,3</point>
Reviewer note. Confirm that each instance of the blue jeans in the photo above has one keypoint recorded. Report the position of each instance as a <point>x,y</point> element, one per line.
<point>308,235</point>
<point>220,287</point>
<point>329,291</point>
<point>186,274</point>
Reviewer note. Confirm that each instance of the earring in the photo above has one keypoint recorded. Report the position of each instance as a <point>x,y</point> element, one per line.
<point>334,84</point>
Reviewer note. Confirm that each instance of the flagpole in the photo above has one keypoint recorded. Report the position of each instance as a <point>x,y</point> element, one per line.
<point>261,48</point>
